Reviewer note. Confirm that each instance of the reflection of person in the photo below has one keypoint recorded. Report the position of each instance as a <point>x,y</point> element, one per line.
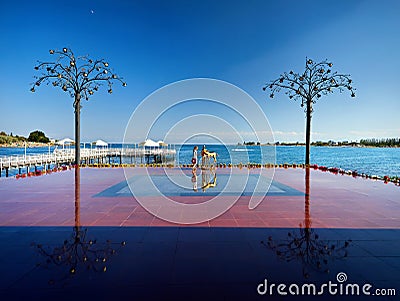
<point>205,177</point>
<point>194,181</point>
<point>194,157</point>
<point>203,155</point>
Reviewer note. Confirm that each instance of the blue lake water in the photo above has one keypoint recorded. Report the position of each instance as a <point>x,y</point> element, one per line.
<point>377,161</point>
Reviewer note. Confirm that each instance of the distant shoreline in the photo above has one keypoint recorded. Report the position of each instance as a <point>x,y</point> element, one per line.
<point>22,145</point>
<point>339,146</point>
<point>38,144</point>
<point>303,145</point>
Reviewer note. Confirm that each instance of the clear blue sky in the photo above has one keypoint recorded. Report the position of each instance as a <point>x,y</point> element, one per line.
<point>246,43</point>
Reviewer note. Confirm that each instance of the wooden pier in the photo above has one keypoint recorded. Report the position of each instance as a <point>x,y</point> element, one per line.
<point>88,156</point>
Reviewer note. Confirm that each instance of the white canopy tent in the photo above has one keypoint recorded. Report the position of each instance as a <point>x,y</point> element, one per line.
<point>65,141</point>
<point>100,143</point>
<point>150,143</point>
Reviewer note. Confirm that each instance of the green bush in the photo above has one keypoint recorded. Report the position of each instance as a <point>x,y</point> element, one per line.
<point>38,136</point>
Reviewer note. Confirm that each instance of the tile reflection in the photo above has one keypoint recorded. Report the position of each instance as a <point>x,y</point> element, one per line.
<point>77,253</point>
<point>305,245</point>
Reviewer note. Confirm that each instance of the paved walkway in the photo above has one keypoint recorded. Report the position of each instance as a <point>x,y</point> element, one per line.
<point>97,243</point>
<point>333,201</point>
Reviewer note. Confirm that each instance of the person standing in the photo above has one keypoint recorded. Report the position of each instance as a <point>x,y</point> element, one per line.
<point>194,158</point>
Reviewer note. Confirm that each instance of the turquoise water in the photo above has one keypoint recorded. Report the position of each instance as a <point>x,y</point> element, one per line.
<point>377,161</point>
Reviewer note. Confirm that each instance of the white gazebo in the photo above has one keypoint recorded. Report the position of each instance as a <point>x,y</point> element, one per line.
<point>65,141</point>
<point>149,143</point>
<point>100,143</point>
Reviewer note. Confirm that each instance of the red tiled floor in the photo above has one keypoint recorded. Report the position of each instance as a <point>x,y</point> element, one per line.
<point>335,201</point>
<point>217,222</point>
<point>251,223</point>
<point>136,222</point>
<point>156,222</point>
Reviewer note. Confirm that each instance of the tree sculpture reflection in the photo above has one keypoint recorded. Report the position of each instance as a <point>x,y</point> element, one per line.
<point>305,245</point>
<point>80,76</point>
<point>316,80</point>
<point>79,253</point>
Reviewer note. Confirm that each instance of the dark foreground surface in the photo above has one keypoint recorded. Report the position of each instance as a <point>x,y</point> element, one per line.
<point>196,263</point>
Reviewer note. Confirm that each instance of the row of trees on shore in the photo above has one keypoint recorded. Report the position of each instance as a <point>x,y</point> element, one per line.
<point>383,142</point>
<point>372,142</point>
<point>35,136</point>
<point>388,142</point>
<point>10,139</point>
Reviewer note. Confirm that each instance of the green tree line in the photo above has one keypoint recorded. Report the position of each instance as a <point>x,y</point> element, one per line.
<point>36,136</point>
<point>8,139</point>
<point>388,142</point>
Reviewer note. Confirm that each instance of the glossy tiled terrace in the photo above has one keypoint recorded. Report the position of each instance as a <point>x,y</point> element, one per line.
<point>93,239</point>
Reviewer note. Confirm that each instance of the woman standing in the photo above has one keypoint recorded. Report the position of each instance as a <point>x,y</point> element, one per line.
<point>194,158</point>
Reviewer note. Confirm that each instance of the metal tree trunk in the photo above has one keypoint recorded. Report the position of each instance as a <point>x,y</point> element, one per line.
<point>307,217</point>
<point>77,197</point>
<point>308,130</point>
<point>77,106</point>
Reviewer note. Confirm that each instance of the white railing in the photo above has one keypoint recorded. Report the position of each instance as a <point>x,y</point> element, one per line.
<point>68,156</point>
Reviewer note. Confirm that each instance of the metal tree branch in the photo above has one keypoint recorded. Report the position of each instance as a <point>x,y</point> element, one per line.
<point>85,78</point>
<point>317,78</point>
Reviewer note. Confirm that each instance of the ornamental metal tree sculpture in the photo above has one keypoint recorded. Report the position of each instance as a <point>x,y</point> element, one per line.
<point>316,80</point>
<point>80,76</point>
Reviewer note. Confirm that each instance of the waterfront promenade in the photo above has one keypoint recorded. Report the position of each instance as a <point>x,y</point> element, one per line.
<point>336,201</point>
<point>88,156</point>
